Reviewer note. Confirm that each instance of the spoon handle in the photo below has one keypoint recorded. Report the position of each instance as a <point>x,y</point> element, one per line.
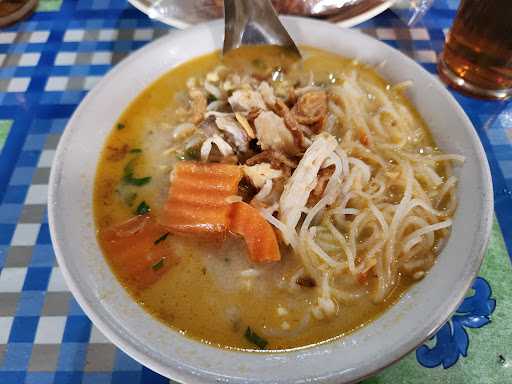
<point>253,22</point>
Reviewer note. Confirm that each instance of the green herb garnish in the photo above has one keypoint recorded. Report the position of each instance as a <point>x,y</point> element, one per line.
<point>253,338</point>
<point>120,126</point>
<point>158,265</point>
<point>143,208</point>
<point>128,177</point>
<point>192,153</point>
<point>135,150</point>
<point>211,98</point>
<point>161,238</point>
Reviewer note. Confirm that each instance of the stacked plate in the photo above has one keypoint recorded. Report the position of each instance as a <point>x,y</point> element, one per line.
<point>184,13</point>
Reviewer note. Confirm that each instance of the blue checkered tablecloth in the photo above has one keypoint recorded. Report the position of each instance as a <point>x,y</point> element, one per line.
<point>47,65</point>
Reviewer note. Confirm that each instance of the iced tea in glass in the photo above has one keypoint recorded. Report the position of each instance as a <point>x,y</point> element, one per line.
<point>477,58</point>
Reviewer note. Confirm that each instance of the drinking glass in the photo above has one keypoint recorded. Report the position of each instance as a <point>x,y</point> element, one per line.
<point>477,57</point>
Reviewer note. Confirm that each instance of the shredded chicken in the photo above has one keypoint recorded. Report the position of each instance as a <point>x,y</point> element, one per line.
<point>265,191</point>
<point>245,100</point>
<point>258,174</point>
<point>269,194</point>
<point>245,125</point>
<point>267,92</point>
<point>273,134</point>
<point>303,180</point>
<point>235,134</point>
<point>224,148</point>
<point>208,126</point>
<point>232,82</point>
<point>217,74</point>
<point>198,104</point>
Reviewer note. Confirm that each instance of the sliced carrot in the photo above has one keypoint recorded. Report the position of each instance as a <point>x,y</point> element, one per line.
<point>197,198</point>
<point>257,232</point>
<point>131,249</point>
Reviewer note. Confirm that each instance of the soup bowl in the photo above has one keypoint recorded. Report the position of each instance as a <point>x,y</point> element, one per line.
<point>415,317</point>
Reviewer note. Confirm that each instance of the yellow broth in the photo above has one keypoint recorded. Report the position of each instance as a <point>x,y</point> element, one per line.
<point>202,289</point>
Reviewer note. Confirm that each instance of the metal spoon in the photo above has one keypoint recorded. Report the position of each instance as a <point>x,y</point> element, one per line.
<point>254,22</point>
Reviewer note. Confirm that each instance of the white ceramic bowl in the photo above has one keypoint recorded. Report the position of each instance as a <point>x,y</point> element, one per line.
<point>421,311</point>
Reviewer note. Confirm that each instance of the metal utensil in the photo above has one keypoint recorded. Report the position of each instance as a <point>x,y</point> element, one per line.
<point>254,22</point>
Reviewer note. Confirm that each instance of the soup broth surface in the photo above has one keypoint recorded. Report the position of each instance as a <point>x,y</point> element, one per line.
<point>210,290</point>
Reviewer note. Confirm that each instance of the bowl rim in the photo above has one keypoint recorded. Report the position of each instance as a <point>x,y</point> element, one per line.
<point>181,374</point>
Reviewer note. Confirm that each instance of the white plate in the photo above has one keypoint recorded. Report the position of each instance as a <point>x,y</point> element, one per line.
<point>175,18</point>
<point>420,312</point>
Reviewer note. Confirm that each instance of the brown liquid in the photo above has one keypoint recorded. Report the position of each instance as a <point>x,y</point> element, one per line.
<point>479,48</point>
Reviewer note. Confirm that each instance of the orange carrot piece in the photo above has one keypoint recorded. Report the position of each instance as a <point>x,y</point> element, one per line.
<point>131,249</point>
<point>258,234</point>
<point>197,198</point>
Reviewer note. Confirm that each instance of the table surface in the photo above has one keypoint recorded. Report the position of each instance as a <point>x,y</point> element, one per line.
<point>47,65</point>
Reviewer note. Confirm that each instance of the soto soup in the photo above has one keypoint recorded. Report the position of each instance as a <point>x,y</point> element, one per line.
<point>256,201</point>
